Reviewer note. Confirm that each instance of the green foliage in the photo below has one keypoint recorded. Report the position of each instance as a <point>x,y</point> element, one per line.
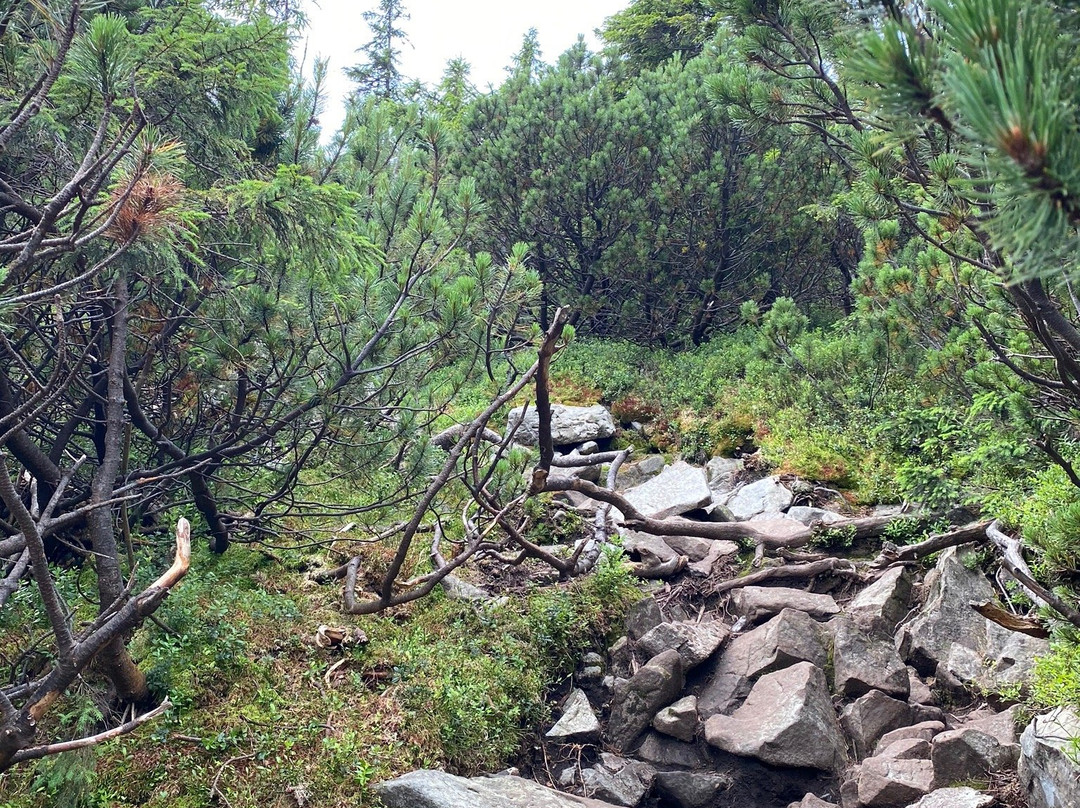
<point>1056,679</point>
<point>649,32</point>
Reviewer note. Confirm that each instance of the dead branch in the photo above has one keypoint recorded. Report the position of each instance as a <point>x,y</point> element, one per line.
<point>832,566</point>
<point>1009,550</point>
<point>756,532</point>
<point>449,436</point>
<point>91,740</point>
<point>600,520</point>
<point>575,460</point>
<point>663,569</point>
<point>994,613</point>
<point>543,403</point>
<point>965,534</point>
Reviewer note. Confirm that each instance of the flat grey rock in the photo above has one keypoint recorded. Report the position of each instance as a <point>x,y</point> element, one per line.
<point>578,721</point>
<point>435,789</point>
<point>759,497</point>
<point>758,602</point>
<point>637,472</point>
<point>568,424</point>
<point>663,750</point>
<point>889,782</point>
<point>862,664</point>
<point>963,797</point>
<point>787,720</point>
<point>790,637</point>
<point>695,642</point>
<point>677,489</point>
<point>618,780</point>
<point>691,789</point>
<point>721,473</point>
<point>967,754</point>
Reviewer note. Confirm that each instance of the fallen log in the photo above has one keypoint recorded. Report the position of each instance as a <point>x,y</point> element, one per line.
<point>965,534</point>
<point>832,566</point>
<point>861,528</point>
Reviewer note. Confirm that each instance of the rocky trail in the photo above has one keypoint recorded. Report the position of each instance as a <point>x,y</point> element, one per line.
<point>816,680</point>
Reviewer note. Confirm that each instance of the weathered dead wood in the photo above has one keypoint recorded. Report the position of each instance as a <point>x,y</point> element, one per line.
<point>860,528</point>
<point>789,572</point>
<point>543,403</point>
<point>1012,558</point>
<point>600,520</point>
<point>663,569</point>
<point>449,436</point>
<point>1024,625</point>
<point>573,460</point>
<point>36,752</point>
<point>1013,561</point>
<point>965,534</point>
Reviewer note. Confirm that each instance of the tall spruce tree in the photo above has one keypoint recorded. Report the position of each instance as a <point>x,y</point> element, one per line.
<point>379,74</point>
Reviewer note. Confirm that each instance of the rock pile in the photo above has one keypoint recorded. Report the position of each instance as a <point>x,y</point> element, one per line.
<point>792,699</point>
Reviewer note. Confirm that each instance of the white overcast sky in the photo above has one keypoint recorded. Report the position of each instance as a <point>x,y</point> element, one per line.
<point>485,32</point>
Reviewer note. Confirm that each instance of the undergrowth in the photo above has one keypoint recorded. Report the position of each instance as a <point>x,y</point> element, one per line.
<point>266,715</point>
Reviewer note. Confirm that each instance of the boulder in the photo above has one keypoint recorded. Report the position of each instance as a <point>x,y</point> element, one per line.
<point>690,789</point>
<point>679,720</point>
<point>811,516</point>
<point>631,474</point>
<point>617,780</point>
<point>949,639</point>
<point>790,637</point>
<point>621,658</point>
<point>662,750</point>
<point>892,783</point>
<point>646,545</point>
<point>963,797</point>
<point>762,496</point>
<point>435,789</point>
<point>1048,767</point>
<point>642,618</point>
<point>656,684</point>
<point>717,550</point>
<point>968,754</point>
<point>721,473</point>
<point>862,664</point>
<point>578,723</point>
<point>907,749</point>
<point>775,527</point>
<point>812,801</point>
<point>869,717</point>
<point>698,549</point>
<point>924,731</point>
<point>918,691</point>
<point>695,642</point>
<point>757,602</point>
<point>677,489</point>
<point>883,604</point>
<point>568,424</point>
<point>1001,725</point>
<point>787,720</point>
